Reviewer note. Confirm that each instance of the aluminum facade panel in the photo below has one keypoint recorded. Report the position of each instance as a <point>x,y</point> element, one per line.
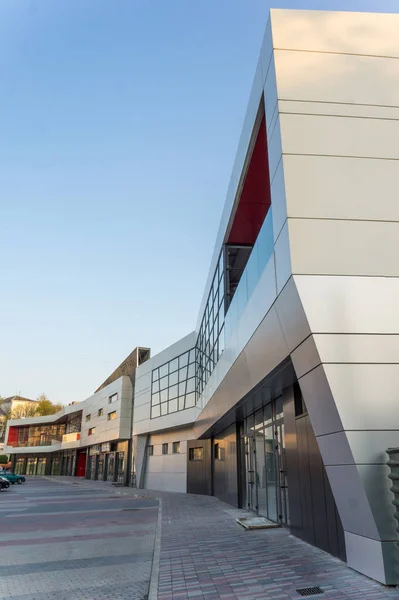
<point>336,78</point>
<point>341,188</point>
<point>330,31</point>
<point>364,248</point>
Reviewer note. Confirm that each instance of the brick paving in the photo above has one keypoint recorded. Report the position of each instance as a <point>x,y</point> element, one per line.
<point>71,542</point>
<point>204,554</point>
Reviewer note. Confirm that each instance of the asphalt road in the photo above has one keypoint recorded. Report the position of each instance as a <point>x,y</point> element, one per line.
<point>68,542</point>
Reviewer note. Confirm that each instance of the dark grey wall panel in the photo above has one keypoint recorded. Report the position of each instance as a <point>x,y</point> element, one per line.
<point>292,464</point>
<point>225,466</point>
<point>313,513</point>
<point>199,474</point>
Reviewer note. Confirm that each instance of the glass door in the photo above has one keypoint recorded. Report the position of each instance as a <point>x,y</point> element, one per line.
<point>281,463</point>
<point>260,462</point>
<point>41,466</point>
<point>270,465</point>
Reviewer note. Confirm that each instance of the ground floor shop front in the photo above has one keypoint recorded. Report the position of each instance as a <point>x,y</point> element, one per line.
<point>105,462</point>
<point>68,462</point>
<point>268,462</point>
<point>108,462</point>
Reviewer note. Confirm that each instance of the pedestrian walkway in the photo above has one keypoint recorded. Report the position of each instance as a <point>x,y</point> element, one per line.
<point>205,554</point>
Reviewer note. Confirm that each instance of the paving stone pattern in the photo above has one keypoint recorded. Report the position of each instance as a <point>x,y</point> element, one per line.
<point>205,554</point>
<point>65,542</point>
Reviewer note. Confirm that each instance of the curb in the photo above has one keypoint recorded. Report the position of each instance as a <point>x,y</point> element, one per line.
<point>153,587</point>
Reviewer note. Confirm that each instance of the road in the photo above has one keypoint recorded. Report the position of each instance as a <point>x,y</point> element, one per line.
<point>66,542</point>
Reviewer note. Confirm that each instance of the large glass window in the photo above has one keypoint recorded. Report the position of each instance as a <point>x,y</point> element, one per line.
<point>173,385</point>
<point>210,341</point>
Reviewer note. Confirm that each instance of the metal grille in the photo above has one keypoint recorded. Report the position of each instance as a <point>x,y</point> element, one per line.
<point>310,591</point>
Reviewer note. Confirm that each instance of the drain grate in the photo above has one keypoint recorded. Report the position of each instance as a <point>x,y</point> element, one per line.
<point>310,591</point>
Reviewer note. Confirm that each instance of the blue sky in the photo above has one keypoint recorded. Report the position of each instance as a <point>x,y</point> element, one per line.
<point>119,122</point>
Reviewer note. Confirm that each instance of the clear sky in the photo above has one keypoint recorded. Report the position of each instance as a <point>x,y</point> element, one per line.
<point>119,122</point>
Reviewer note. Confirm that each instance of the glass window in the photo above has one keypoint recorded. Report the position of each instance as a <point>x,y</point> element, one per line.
<point>100,412</point>
<point>173,405</point>
<point>113,398</point>
<point>173,365</point>
<point>183,374</point>
<point>190,385</point>
<point>150,450</point>
<point>165,448</point>
<point>155,411</point>
<point>196,454</point>
<point>173,392</point>
<point>169,391</point>
<point>183,359</point>
<point>92,431</point>
<point>163,383</point>
<point>176,448</point>
<point>88,417</point>
<point>190,400</point>
<point>173,378</point>
<point>112,415</point>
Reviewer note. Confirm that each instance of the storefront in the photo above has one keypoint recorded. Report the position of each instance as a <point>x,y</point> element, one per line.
<point>108,462</point>
<point>38,464</point>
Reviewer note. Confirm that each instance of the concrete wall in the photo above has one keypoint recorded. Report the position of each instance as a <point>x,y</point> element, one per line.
<point>160,472</point>
<point>168,472</point>
<point>118,428</point>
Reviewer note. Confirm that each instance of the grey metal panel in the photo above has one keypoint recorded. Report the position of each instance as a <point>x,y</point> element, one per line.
<point>320,402</point>
<point>292,464</point>
<point>199,478</point>
<point>304,481</point>
<point>225,476</point>
<point>321,538</point>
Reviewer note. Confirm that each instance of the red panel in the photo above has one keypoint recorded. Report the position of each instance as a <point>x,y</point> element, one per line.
<point>255,196</point>
<point>81,470</point>
<point>12,436</point>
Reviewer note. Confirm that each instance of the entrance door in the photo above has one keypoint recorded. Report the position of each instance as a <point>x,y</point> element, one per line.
<point>266,486</point>
<point>250,464</point>
<point>282,495</point>
<point>111,467</point>
<point>41,466</point>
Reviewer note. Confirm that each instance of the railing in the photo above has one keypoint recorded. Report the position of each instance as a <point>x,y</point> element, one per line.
<point>71,437</point>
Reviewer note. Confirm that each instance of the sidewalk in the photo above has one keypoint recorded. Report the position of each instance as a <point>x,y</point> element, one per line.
<point>205,554</point>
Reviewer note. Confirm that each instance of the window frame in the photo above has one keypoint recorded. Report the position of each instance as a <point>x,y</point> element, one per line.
<point>113,398</point>
<point>191,454</point>
<point>91,431</point>
<point>100,412</point>
<point>165,446</point>
<point>150,450</point>
<point>109,418</point>
<point>88,417</point>
<point>175,447</point>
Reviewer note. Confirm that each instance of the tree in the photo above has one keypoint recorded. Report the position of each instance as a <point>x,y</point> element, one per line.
<point>22,411</point>
<point>46,407</point>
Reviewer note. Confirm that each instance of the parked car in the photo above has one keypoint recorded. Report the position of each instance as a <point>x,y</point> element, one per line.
<point>12,478</point>
<point>4,483</point>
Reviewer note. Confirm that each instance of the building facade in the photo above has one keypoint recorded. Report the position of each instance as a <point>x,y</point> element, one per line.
<point>293,364</point>
<point>91,439</point>
<point>282,400</point>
